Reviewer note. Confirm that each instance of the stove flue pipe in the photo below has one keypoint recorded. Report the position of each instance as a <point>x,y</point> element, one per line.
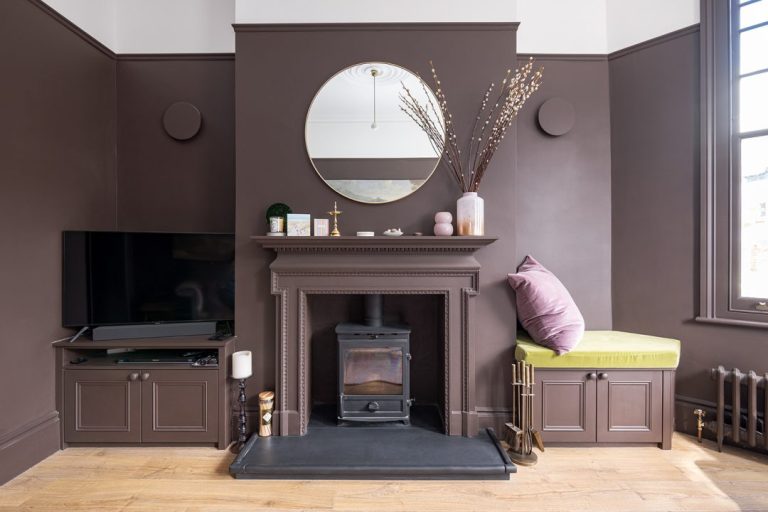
<point>373,309</point>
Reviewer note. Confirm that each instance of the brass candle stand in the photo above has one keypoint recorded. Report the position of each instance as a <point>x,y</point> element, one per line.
<point>521,435</point>
<point>335,214</point>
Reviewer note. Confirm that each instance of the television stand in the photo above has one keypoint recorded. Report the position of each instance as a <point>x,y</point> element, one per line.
<point>104,398</point>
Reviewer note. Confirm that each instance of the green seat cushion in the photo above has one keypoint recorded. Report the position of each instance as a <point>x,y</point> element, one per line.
<point>604,349</point>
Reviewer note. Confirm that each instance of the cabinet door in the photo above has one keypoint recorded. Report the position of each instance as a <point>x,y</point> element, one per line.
<point>102,406</point>
<point>179,405</point>
<point>564,406</point>
<point>629,406</point>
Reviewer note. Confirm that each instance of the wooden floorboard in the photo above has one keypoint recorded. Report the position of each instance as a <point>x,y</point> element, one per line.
<point>691,477</point>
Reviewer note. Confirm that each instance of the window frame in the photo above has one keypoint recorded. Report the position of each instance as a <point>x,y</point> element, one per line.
<point>720,208</point>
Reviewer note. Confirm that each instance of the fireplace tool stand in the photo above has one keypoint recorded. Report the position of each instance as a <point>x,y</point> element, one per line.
<point>521,435</point>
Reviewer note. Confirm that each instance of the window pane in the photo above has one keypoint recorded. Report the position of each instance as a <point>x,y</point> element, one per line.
<point>753,14</point>
<point>753,53</point>
<point>753,100</point>
<point>754,217</point>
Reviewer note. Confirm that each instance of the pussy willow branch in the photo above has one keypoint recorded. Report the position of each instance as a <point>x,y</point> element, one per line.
<point>491,123</point>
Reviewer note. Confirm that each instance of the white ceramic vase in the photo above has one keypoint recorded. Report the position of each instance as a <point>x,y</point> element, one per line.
<point>470,214</point>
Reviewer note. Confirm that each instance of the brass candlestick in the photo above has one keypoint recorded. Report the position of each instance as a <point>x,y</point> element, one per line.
<point>335,214</point>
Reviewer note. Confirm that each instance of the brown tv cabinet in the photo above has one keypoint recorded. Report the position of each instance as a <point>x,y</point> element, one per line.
<point>103,401</point>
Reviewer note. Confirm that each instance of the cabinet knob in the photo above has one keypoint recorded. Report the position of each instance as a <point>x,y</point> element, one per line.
<point>591,376</point>
<point>373,406</point>
<point>145,376</point>
<point>133,376</point>
<point>602,376</point>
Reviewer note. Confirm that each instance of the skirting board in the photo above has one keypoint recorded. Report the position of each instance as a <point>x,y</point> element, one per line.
<point>28,445</point>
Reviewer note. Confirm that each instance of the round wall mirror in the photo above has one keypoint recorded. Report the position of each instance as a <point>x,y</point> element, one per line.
<point>359,140</point>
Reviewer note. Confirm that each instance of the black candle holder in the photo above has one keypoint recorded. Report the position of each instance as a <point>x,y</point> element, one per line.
<point>242,421</point>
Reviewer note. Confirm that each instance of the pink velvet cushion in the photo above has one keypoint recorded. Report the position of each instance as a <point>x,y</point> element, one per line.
<point>545,308</point>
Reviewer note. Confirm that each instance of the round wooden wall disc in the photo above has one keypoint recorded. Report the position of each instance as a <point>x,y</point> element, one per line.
<point>557,116</point>
<point>182,120</point>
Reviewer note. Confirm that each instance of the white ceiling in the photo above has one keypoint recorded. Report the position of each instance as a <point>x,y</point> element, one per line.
<point>205,26</point>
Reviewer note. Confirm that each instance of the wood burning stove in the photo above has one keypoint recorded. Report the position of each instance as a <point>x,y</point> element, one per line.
<point>374,368</point>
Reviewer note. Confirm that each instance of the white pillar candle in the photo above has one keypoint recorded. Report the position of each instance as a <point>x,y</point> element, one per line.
<point>241,364</point>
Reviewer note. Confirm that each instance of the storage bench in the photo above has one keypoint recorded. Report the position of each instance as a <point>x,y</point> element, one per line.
<point>614,387</point>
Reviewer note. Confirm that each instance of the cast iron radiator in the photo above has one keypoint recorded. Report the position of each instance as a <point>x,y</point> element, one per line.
<point>744,427</point>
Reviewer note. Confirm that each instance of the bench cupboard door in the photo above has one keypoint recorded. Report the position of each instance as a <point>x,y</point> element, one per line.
<point>629,406</point>
<point>179,405</point>
<point>565,406</point>
<point>102,406</point>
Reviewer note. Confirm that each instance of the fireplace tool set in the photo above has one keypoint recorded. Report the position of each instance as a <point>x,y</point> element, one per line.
<point>521,435</point>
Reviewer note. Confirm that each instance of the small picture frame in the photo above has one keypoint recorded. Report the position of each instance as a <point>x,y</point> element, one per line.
<point>322,227</point>
<point>298,224</point>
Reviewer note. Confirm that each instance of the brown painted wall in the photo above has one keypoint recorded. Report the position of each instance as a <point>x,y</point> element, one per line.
<point>57,147</point>
<point>570,231</point>
<point>274,88</point>
<point>165,184</point>
<point>563,186</point>
<point>655,154</point>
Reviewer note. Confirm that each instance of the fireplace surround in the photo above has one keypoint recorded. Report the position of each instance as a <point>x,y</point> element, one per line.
<point>307,266</point>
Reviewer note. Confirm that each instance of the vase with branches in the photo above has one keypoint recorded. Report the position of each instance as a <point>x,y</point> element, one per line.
<point>497,111</point>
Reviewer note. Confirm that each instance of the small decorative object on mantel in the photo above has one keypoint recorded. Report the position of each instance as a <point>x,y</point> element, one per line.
<point>277,225</point>
<point>298,224</point>
<point>365,233</point>
<point>495,115</point>
<point>276,214</point>
<point>266,411</point>
<point>393,232</point>
<point>443,226</point>
<point>520,432</point>
<point>322,227</point>
<point>241,370</point>
<point>335,214</point>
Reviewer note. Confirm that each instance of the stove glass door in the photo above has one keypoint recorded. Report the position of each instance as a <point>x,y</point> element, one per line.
<point>373,371</point>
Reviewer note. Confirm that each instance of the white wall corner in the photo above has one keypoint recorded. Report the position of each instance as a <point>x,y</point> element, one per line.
<point>97,19</point>
<point>175,26</point>
<point>562,26</point>
<point>630,22</point>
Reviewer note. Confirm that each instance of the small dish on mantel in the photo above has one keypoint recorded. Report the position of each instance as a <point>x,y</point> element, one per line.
<point>393,232</point>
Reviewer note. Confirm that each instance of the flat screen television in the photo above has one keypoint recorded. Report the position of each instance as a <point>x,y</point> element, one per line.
<point>114,278</point>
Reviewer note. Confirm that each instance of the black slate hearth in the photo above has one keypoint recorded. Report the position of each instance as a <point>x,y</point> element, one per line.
<point>374,452</point>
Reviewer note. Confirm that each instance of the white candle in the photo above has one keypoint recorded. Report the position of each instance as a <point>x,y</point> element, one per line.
<point>241,364</point>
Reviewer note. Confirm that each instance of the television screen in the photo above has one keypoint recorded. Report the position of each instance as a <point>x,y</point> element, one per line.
<point>112,278</point>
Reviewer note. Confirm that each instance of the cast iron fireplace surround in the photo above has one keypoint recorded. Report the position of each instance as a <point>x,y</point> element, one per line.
<point>306,266</point>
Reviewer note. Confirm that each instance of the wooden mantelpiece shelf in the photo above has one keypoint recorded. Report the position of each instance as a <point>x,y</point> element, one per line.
<point>104,402</point>
<point>374,243</point>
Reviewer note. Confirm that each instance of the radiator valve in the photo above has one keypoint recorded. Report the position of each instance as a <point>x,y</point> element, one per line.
<point>700,414</point>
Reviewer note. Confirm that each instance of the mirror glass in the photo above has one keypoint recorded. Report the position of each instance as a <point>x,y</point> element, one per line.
<point>359,140</point>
